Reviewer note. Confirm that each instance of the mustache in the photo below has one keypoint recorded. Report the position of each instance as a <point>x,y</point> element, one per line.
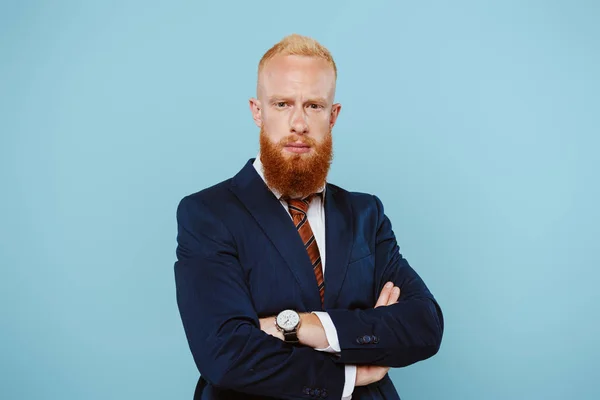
<point>297,139</point>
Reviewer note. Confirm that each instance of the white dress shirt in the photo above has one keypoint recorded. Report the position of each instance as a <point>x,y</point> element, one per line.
<point>316,219</point>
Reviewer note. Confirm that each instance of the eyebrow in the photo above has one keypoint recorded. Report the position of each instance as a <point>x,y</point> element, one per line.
<point>309,100</point>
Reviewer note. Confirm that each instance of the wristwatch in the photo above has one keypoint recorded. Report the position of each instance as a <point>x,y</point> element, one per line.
<point>288,322</point>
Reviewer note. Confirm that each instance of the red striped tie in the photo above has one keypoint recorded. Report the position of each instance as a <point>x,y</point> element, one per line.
<point>298,209</point>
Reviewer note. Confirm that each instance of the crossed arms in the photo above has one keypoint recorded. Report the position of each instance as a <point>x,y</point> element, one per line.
<point>232,351</point>
<point>311,333</point>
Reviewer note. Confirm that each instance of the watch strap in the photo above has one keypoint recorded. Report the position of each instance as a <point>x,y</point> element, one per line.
<point>291,337</point>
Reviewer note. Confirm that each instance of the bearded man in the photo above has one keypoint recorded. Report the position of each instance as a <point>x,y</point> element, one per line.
<point>289,286</point>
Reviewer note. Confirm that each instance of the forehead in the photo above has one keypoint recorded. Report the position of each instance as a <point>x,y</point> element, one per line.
<point>291,74</point>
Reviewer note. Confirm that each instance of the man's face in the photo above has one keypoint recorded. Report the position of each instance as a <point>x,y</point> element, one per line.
<point>295,100</point>
<point>296,114</point>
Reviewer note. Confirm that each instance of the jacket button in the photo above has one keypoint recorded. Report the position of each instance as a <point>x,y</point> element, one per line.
<point>366,339</point>
<point>375,339</point>
<point>317,393</point>
<point>359,340</point>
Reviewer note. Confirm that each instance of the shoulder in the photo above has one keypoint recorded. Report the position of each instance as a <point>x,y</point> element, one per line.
<point>208,199</point>
<point>360,201</point>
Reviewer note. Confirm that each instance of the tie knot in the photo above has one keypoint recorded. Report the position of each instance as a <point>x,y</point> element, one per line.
<point>299,206</point>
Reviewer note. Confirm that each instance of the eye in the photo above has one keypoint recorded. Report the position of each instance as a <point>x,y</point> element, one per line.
<point>314,106</point>
<point>280,104</point>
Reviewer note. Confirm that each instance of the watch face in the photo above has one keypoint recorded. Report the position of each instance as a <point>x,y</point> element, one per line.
<point>288,320</point>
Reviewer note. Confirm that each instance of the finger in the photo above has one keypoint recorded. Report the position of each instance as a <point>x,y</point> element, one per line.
<point>385,295</point>
<point>394,296</point>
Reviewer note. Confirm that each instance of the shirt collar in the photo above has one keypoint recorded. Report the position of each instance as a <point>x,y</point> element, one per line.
<point>258,166</point>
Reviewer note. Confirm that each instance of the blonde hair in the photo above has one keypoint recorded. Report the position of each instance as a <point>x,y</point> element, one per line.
<point>298,45</point>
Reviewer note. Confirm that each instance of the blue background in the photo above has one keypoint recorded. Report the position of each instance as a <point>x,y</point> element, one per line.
<point>477,124</point>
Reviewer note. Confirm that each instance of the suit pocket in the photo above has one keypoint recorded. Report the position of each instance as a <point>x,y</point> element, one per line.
<point>359,253</point>
<point>359,259</point>
<point>358,286</point>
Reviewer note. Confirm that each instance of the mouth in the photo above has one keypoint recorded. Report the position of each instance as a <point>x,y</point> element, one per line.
<point>298,148</point>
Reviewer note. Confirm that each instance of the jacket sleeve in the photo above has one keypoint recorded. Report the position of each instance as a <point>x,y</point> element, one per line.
<point>222,327</point>
<point>397,335</point>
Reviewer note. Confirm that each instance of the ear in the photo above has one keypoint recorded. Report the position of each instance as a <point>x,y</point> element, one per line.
<point>256,110</point>
<point>335,112</point>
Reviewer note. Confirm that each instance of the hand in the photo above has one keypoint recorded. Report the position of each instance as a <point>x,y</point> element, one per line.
<point>367,374</point>
<point>267,325</point>
<point>388,296</point>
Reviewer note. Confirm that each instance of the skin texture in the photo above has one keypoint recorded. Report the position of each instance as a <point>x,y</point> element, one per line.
<point>296,113</point>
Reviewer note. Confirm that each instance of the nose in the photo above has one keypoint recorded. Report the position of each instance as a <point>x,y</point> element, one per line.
<point>298,123</point>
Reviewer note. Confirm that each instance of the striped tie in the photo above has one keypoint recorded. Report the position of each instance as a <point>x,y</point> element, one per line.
<point>298,209</point>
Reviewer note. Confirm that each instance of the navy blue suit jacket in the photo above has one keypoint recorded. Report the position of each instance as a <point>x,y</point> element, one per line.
<point>240,258</point>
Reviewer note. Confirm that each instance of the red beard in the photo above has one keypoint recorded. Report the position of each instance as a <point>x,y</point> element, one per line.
<point>296,175</point>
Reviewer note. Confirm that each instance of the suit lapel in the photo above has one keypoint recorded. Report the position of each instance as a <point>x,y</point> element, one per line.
<point>275,222</point>
<point>339,240</point>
